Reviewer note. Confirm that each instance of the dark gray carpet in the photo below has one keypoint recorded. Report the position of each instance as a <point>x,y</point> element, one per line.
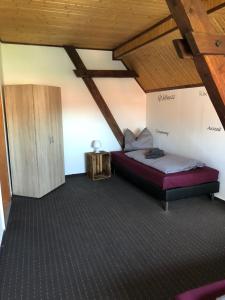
<point>109,240</point>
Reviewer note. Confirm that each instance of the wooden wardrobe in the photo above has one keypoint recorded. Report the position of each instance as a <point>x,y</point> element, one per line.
<point>34,124</point>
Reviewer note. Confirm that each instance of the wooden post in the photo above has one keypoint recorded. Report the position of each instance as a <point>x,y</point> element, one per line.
<point>193,22</point>
<point>78,63</point>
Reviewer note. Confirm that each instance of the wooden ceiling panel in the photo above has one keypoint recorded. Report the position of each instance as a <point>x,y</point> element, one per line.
<point>84,23</point>
<point>218,20</point>
<point>158,65</point>
<point>104,24</point>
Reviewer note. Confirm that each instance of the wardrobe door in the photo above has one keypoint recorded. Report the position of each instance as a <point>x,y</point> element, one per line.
<point>43,137</point>
<point>22,140</point>
<point>57,154</point>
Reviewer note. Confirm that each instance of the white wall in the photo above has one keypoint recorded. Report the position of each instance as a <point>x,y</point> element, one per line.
<point>193,126</point>
<point>82,120</point>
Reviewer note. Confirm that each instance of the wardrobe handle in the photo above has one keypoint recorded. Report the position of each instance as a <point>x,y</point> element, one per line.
<point>51,139</point>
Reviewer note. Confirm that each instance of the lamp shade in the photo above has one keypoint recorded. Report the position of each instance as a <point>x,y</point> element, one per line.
<point>96,145</point>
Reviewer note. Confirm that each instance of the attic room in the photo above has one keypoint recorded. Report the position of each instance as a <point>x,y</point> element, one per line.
<point>112,166</point>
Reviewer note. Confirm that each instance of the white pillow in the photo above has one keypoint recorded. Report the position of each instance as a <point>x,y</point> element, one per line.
<point>143,141</point>
<point>221,298</point>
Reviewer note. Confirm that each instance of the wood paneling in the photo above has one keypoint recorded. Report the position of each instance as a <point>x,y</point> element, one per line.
<point>159,66</point>
<point>106,25</point>
<point>4,176</point>
<point>83,23</point>
<point>158,30</point>
<point>191,17</point>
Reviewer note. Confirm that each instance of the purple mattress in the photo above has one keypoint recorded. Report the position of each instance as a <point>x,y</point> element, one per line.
<point>207,292</point>
<point>162,180</point>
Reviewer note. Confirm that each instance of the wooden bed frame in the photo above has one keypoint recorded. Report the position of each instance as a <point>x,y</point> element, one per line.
<point>170,194</point>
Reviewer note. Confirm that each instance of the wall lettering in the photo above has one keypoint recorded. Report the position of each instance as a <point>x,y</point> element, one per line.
<point>211,128</point>
<point>165,97</point>
<point>162,132</point>
<point>203,93</point>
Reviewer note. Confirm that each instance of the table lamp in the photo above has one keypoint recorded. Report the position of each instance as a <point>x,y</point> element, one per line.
<point>96,145</point>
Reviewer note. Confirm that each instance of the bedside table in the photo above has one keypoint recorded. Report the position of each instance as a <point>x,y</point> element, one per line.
<point>98,165</point>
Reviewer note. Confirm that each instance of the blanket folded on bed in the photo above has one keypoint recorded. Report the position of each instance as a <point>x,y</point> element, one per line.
<point>154,153</point>
<point>170,163</point>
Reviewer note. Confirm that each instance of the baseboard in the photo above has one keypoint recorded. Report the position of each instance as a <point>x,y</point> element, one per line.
<point>75,175</point>
<point>219,199</point>
<point>2,240</point>
<point>7,212</point>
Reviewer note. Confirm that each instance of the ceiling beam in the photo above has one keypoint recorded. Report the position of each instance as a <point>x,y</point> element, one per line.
<point>192,18</point>
<point>93,89</point>
<point>151,34</point>
<point>205,43</point>
<point>160,29</point>
<point>182,48</point>
<point>198,43</point>
<point>106,73</point>
<point>177,87</point>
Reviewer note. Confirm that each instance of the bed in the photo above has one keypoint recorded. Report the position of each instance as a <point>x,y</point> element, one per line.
<point>166,187</point>
<point>210,291</point>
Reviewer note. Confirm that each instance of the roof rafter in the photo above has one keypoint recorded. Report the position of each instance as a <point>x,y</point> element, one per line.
<point>106,73</point>
<point>160,29</point>
<point>97,96</point>
<point>191,18</point>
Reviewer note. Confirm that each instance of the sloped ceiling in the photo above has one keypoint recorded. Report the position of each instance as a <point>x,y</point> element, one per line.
<point>100,24</point>
<point>159,66</point>
<point>104,24</point>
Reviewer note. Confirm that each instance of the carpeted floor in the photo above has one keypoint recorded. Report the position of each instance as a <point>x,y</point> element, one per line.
<point>109,240</point>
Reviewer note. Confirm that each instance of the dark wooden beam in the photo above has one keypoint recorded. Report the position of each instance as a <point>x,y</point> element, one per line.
<point>106,73</point>
<point>191,18</point>
<point>182,48</point>
<point>205,43</point>
<point>197,43</point>
<point>78,63</point>
<point>52,45</point>
<point>168,88</point>
<point>158,30</point>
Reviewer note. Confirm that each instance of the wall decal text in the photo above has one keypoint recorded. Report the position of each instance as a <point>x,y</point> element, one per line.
<point>162,132</point>
<point>165,97</point>
<point>211,128</point>
<point>203,93</point>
